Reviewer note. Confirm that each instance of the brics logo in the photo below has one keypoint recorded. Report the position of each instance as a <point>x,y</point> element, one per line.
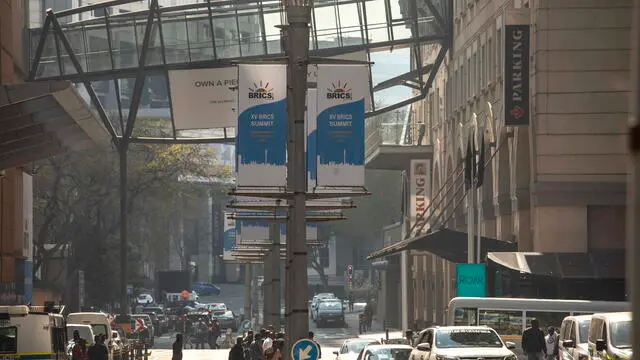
<point>341,92</point>
<point>261,92</point>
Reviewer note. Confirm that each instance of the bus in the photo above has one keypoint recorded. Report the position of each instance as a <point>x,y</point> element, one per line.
<point>510,316</point>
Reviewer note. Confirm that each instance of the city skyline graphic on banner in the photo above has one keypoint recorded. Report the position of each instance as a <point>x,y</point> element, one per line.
<point>264,130</point>
<point>341,131</point>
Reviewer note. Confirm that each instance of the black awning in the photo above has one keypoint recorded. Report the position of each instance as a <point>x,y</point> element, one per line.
<point>38,120</point>
<point>608,264</point>
<point>445,243</point>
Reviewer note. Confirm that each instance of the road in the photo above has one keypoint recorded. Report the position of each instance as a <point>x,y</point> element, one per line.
<point>233,296</point>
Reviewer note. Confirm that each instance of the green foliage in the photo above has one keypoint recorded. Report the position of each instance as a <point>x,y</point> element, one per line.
<point>77,205</point>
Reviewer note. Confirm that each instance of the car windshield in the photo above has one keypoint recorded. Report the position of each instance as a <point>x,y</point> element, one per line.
<point>330,305</point>
<point>388,353</point>
<point>621,334</point>
<point>355,347</point>
<point>99,329</point>
<point>583,328</point>
<point>460,338</point>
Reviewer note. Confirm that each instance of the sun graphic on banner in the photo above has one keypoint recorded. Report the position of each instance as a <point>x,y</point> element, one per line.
<point>341,88</point>
<point>260,88</point>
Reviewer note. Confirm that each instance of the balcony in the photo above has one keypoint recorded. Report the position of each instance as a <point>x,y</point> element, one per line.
<point>389,144</point>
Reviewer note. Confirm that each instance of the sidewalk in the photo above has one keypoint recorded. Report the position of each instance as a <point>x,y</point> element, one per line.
<point>377,328</point>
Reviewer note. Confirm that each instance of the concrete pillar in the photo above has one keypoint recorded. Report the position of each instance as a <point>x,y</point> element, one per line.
<point>430,288</point>
<point>248,276</point>
<point>439,291</point>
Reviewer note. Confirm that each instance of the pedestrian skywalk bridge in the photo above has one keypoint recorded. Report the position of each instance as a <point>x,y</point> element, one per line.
<point>119,52</point>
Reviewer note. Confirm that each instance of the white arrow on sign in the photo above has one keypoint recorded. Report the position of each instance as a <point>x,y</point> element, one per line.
<point>303,354</point>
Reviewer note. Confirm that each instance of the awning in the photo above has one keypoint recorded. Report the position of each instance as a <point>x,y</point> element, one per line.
<point>445,243</point>
<point>41,119</point>
<point>608,264</point>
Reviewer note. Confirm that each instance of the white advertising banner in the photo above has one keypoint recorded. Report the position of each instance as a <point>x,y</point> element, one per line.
<point>230,237</point>
<point>261,135</point>
<point>340,125</point>
<point>420,190</point>
<point>203,98</point>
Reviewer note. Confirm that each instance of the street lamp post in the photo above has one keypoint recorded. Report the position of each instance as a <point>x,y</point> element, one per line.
<point>298,17</point>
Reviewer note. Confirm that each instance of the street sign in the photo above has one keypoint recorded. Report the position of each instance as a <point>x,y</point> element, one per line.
<point>471,280</point>
<point>129,289</point>
<point>305,349</point>
<point>139,325</point>
<point>246,325</point>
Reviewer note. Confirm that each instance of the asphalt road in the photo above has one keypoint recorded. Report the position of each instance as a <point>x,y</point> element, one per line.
<point>233,296</point>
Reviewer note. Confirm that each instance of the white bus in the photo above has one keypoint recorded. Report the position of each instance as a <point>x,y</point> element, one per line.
<point>510,316</point>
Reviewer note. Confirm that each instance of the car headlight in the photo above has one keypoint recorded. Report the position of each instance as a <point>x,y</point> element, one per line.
<point>511,357</point>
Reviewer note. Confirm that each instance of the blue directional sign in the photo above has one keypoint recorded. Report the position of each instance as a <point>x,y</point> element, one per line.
<point>305,349</point>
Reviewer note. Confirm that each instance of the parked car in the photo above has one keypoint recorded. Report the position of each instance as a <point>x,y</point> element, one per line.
<point>228,320</point>
<point>572,344</point>
<point>387,351</point>
<point>160,322</point>
<point>205,289</point>
<point>144,299</point>
<point>351,348</point>
<point>316,299</point>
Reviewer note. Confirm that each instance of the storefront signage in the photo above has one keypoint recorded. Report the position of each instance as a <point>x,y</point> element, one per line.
<point>420,179</point>
<point>471,280</point>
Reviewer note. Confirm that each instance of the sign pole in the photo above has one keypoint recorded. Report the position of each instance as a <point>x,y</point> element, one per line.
<point>470,221</point>
<point>298,17</point>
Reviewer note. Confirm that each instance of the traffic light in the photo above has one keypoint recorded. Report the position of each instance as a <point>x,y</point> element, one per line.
<point>350,272</point>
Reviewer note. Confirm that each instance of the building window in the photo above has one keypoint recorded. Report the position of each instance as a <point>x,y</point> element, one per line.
<point>499,53</point>
<point>483,67</point>
<point>490,60</point>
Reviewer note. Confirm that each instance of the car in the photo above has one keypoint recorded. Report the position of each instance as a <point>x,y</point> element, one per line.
<point>385,352</point>
<point>316,299</point>
<point>455,342</point>
<point>573,341</point>
<point>205,289</point>
<point>158,318</point>
<point>351,348</point>
<point>227,320</point>
<point>144,299</point>
<point>329,311</point>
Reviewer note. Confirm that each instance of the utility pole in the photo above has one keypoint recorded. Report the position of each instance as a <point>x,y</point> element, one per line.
<point>274,269</point>
<point>633,187</point>
<point>248,276</point>
<point>124,297</point>
<point>298,15</point>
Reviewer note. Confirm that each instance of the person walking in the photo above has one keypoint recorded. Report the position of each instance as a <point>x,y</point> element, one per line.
<point>311,335</point>
<point>255,350</point>
<point>368,312</point>
<point>551,342</point>
<point>79,352</point>
<point>237,352</point>
<point>533,343</point>
<point>99,350</point>
<point>177,348</point>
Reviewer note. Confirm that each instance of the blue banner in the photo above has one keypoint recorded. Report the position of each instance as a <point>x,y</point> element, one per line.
<point>261,138</point>
<point>340,124</point>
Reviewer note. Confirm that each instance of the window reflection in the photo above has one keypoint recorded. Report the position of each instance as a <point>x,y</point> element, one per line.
<point>504,322</point>
<point>547,318</point>
<point>465,317</point>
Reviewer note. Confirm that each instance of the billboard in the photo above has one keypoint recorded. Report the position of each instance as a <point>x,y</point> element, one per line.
<point>420,178</point>
<point>261,136</point>
<point>340,125</point>
<point>229,240</point>
<point>203,98</point>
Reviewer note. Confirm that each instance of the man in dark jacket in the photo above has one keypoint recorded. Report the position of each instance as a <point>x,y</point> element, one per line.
<point>255,349</point>
<point>533,343</point>
<point>237,352</point>
<point>99,350</point>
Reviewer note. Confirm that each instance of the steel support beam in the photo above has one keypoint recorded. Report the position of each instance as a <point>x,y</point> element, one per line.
<point>414,75</point>
<point>124,297</point>
<point>633,185</point>
<point>248,278</point>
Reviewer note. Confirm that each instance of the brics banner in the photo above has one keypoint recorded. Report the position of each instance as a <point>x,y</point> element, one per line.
<point>516,74</point>
<point>261,138</point>
<point>340,125</point>
<point>258,230</point>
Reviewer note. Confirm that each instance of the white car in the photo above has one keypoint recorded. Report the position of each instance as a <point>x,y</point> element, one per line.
<point>144,299</point>
<point>316,299</point>
<point>456,342</point>
<point>351,348</point>
<point>385,352</point>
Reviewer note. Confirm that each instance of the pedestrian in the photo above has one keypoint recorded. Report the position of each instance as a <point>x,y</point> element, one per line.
<point>551,342</point>
<point>368,312</point>
<point>409,336</point>
<point>533,343</point>
<point>311,334</point>
<point>215,334</point>
<point>255,350</point>
<point>236,352</point>
<point>99,350</point>
<point>177,348</point>
<point>350,302</point>
<point>202,332</point>
<point>78,352</point>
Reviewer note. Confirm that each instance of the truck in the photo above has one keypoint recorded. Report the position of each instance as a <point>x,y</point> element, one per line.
<point>172,281</point>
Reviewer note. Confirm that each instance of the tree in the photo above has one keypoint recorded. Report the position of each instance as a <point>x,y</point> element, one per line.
<point>318,265</point>
<point>76,205</point>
